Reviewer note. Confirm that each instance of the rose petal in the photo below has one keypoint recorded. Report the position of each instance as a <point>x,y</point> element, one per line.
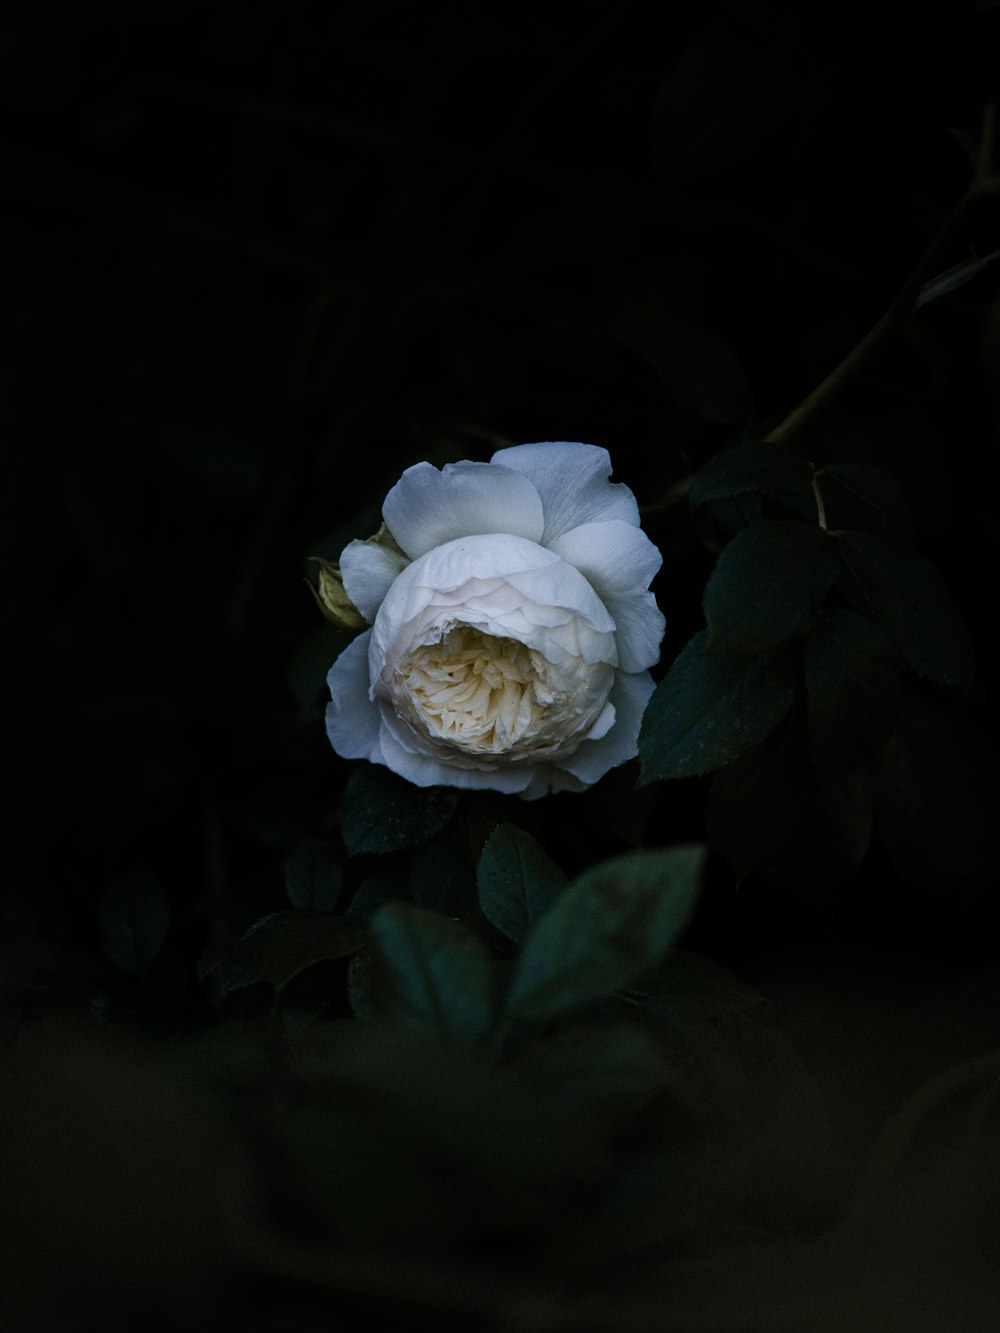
<point>572,480</point>
<point>619,561</point>
<point>538,546</point>
<point>603,723</point>
<point>427,508</point>
<point>617,558</point>
<point>368,571</point>
<point>629,694</point>
<point>425,771</point>
<point>492,556</point>
<point>480,571</point>
<point>561,585</point>
<point>353,720</point>
<point>639,634</point>
<point>545,780</point>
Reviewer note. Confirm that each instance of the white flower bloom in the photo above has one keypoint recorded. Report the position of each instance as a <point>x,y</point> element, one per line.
<point>511,631</point>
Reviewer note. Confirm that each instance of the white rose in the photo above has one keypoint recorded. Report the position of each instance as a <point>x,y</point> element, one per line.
<point>512,631</point>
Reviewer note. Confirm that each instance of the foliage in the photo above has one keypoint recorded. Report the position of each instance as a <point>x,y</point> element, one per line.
<point>792,694</point>
<point>288,1044</point>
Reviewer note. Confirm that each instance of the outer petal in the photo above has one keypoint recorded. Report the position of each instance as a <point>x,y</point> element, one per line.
<point>424,770</point>
<point>369,571</point>
<point>629,694</point>
<point>475,575</point>
<point>427,508</point>
<point>603,723</point>
<point>640,631</point>
<point>572,480</point>
<point>353,720</point>
<point>546,780</point>
<point>619,561</point>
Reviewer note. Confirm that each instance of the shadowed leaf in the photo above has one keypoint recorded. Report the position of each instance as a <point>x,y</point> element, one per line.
<point>757,465</point>
<point>443,870</point>
<point>852,688</point>
<point>766,585</point>
<point>609,927</point>
<point>707,711</point>
<point>314,875</point>
<point>383,813</point>
<point>517,880</point>
<point>862,495</point>
<point>278,947</point>
<point>906,594</point>
<point>433,972</point>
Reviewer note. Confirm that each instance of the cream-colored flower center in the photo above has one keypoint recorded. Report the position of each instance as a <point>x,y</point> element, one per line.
<point>488,695</point>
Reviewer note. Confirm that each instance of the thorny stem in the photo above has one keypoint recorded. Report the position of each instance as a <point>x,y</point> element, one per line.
<point>985,181</point>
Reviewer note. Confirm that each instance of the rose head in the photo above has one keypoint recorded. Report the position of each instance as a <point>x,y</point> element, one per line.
<point>512,626</point>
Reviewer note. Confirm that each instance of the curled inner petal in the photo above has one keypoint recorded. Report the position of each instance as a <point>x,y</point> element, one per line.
<point>485,695</point>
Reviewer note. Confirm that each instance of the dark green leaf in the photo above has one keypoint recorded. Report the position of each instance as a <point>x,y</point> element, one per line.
<point>937,801</point>
<point>699,367</point>
<point>852,687</point>
<point>766,585</point>
<point>733,515</point>
<point>767,814</point>
<point>707,711</point>
<point>433,972</point>
<point>610,926</point>
<point>517,881</point>
<point>693,977</point>
<point>862,495</point>
<point>374,892</point>
<point>314,875</point>
<point>756,465</point>
<point>278,947</point>
<point>906,594</point>
<point>384,813</point>
<point>443,870</point>
<point>134,918</point>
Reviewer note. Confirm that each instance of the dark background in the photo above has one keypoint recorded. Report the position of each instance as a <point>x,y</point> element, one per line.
<point>258,259</point>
